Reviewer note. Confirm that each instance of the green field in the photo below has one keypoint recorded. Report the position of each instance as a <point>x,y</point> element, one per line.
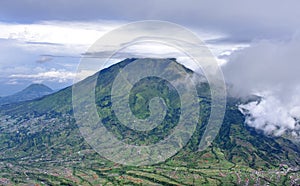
<point>41,144</point>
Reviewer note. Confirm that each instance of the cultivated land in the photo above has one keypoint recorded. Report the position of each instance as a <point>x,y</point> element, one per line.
<point>41,144</point>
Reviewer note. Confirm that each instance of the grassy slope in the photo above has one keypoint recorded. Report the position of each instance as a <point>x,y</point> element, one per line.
<point>40,143</point>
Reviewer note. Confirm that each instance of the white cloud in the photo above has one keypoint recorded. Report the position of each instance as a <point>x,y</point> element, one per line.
<point>269,69</point>
<point>57,32</point>
<point>44,59</point>
<point>272,116</point>
<point>23,47</point>
<point>55,36</point>
<point>60,45</point>
<point>76,37</point>
<point>52,75</point>
<point>12,82</point>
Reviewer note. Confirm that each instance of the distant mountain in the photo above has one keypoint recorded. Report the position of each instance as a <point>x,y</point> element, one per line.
<point>31,92</point>
<point>40,142</point>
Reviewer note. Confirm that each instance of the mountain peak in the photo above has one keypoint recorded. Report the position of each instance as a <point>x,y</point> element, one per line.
<point>30,129</point>
<point>38,87</point>
<point>31,92</point>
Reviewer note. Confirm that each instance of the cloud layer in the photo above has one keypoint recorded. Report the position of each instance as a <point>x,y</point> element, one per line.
<point>269,69</point>
<point>242,21</point>
<point>59,45</point>
<point>52,75</point>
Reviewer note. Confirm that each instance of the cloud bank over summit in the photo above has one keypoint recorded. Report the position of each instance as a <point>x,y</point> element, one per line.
<point>269,69</point>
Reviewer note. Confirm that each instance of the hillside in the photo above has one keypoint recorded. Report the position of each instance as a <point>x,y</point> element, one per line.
<point>41,144</point>
<point>31,92</point>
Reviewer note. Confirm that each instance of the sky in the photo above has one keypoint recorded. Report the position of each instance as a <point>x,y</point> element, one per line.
<point>255,42</point>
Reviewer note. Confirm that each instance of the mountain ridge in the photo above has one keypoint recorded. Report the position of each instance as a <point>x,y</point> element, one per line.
<point>33,91</point>
<point>43,134</point>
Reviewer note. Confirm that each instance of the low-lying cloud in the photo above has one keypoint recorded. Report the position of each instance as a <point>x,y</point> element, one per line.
<point>52,75</point>
<point>273,116</point>
<point>269,69</point>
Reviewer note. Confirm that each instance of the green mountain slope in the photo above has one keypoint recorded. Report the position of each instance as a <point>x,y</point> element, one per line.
<point>31,92</point>
<point>41,144</point>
